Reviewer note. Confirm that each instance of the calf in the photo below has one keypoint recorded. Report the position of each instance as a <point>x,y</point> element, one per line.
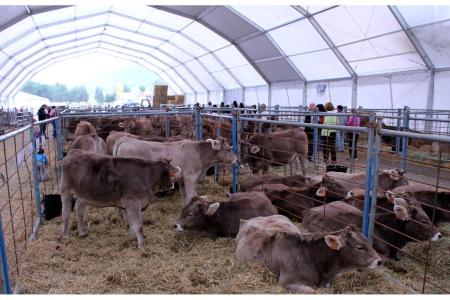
<point>222,218</point>
<point>104,181</point>
<point>291,201</point>
<point>303,261</point>
<point>404,223</point>
<point>84,128</point>
<point>194,158</point>
<point>432,200</point>
<point>91,143</point>
<point>280,148</point>
<point>249,181</point>
<point>141,126</point>
<point>336,185</point>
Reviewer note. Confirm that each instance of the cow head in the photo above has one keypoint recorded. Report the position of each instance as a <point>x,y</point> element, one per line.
<point>416,222</point>
<point>168,175</point>
<point>194,216</point>
<point>127,125</point>
<point>396,178</point>
<point>353,248</point>
<point>222,150</point>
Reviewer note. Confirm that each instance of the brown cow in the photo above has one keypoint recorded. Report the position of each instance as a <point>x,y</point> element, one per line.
<point>222,218</point>
<point>193,157</point>
<point>336,185</point>
<point>249,181</point>
<point>280,148</point>
<point>84,128</point>
<point>406,221</point>
<point>91,143</point>
<point>104,181</point>
<point>115,135</point>
<point>291,201</point>
<point>429,197</point>
<point>303,261</point>
<point>141,126</point>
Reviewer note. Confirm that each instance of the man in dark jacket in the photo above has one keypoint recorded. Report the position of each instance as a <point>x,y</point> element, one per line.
<point>309,130</point>
<point>42,115</point>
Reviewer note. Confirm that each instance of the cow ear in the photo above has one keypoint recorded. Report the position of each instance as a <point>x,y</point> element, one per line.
<point>212,208</point>
<point>321,192</point>
<point>394,174</point>
<point>401,212</point>
<point>334,242</point>
<point>120,124</point>
<point>132,124</point>
<point>216,145</point>
<point>350,194</point>
<point>390,196</point>
<point>254,149</point>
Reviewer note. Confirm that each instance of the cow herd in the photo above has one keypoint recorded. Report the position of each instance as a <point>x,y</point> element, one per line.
<point>125,169</point>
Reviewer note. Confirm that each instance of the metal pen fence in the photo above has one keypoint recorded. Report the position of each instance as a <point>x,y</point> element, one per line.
<point>21,219</point>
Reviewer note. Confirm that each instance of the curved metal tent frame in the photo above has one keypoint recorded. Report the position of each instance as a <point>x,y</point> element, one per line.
<point>200,49</point>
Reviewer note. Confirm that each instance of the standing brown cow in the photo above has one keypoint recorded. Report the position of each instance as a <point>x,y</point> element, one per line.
<point>104,181</point>
<point>141,126</point>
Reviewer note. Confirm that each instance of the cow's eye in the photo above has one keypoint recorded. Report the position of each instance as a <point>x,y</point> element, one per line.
<point>360,247</point>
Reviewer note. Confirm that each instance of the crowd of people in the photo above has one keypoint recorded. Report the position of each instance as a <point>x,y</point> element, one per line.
<point>332,140</point>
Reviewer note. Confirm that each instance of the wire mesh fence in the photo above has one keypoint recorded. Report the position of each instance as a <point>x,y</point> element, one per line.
<point>325,175</point>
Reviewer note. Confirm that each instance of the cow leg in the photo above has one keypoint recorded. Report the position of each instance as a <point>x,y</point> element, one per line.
<point>299,288</point>
<point>191,189</point>
<point>66,200</point>
<point>294,164</point>
<point>302,159</point>
<point>80,207</point>
<point>134,217</point>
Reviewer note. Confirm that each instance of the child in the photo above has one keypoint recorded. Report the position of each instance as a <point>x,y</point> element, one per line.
<point>41,161</point>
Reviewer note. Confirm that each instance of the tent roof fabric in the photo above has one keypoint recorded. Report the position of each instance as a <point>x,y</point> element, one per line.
<point>198,49</point>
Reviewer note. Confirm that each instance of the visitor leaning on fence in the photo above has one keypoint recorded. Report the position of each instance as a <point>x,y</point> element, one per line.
<point>329,135</point>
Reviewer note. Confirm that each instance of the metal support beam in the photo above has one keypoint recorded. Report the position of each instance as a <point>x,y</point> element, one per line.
<point>412,37</point>
<point>305,94</point>
<point>354,91</point>
<point>430,100</point>
<point>327,39</point>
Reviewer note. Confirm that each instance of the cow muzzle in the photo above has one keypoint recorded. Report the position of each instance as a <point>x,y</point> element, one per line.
<point>178,227</point>
<point>375,263</point>
<point>436,237</point>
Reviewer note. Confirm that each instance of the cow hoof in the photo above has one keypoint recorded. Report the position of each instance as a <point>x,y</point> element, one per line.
<point>65,235</point>
<point>143,252</point>
<point>82,235</point>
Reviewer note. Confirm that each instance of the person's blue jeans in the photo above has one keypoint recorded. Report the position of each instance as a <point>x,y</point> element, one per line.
<point>340,140</point>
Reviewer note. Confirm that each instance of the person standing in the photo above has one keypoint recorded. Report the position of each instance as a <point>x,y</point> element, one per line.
<point>43,115</point>
<point>353,121</point>
<point>329,135</point>
<point>342,120</point>
<point>52,114</point>
<point>310,131</point>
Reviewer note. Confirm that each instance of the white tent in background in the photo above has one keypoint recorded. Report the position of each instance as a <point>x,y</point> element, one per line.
<point>29,101</point>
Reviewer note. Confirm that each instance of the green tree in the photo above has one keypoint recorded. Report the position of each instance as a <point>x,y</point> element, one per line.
<point>126,88</point>
<point>110,97</point>
<point>142,88</point>
<point>99,95</point>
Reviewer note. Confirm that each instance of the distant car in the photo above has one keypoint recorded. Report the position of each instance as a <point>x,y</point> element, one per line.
<point>133,106</point>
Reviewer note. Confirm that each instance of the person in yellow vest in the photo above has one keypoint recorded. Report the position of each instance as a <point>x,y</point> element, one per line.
<point>329,135</point>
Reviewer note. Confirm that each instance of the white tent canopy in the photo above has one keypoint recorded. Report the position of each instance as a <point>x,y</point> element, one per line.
<point>378,55</point>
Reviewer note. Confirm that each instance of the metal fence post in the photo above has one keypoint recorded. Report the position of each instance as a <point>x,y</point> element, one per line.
<point>397,139</point>
<point>374,183</point>
<point>166,124</point>
<point>369,177</point>
<point>315,120</point>
<point>37,188</point>
<point>259,125</point>
<point>5,284</point>
<point>235,140</point>
<point>198,124</point>
<point>59,145</point>
<point>217,167</point>
<point>405,139</point>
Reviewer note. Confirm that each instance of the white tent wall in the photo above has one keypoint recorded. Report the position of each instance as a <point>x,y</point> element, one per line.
<point>290,94</point>
<point>442,90</point>
<point>257,95</point>
<point>338,92</point>
<point>216,97</point>
<point>409,90</point>
<point>373,93</point>
<point>233,95</point>
<point>190,99</point>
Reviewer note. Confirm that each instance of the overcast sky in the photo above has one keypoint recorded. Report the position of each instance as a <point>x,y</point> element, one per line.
<point>97,70</point>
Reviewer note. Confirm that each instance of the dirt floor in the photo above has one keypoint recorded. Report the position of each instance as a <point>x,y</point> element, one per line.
<point>107,260</point>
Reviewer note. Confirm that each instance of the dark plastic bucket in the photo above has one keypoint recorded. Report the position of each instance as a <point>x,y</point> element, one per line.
<point>337,168</point>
